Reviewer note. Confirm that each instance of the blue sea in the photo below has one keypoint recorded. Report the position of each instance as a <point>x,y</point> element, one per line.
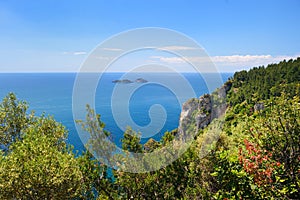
<point>51,93</point>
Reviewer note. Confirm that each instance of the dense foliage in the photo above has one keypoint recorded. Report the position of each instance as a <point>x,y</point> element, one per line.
<point>261,83</point>
<point>36,162</point>
<point>256,157</point>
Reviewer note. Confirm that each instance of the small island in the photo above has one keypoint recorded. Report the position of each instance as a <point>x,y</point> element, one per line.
<point>141,80</point>
<point>126,81</point>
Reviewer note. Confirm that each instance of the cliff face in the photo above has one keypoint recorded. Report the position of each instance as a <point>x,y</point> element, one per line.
<point>197,113</point>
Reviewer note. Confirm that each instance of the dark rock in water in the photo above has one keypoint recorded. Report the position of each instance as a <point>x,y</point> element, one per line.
<point>141,80</point>
<point>126,81</point>
<point>116,81</point>
<point>122,81</point>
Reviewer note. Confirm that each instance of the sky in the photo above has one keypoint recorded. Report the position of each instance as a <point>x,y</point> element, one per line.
<point>59,35</point>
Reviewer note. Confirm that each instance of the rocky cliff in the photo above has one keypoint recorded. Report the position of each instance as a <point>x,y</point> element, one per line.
<point>197,113</point>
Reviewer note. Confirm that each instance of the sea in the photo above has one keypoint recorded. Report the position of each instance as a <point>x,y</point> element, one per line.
<point>53,94</point>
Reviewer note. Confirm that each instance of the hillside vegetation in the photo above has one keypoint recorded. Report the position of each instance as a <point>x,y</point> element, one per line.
<point>261,83</point>
<point>256,157</point>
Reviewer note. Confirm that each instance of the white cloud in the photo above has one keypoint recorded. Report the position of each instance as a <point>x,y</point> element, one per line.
<point>76,53</point>
<point>249,60</point>
<point>79,53</point>
<point>172,60</point>
<point>181,60</point>
<point>240,58</point>
<point>232,60</point>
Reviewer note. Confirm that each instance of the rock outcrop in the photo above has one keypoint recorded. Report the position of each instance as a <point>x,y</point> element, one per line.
<point>197,113</point>
<point>122,81</point>
<point>259,107</point>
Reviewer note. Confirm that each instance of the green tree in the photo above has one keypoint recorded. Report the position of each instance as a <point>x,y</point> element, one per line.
<point>13,120</point>
<point>98,178</point>
<point>36,162</point>
<point>278,132</point>
<point>260,158</point>
<point>99,143</point>
<point>37,167</point>
<point>131,141</point>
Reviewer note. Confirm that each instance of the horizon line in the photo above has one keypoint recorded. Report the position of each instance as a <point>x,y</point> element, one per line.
<point>77,72</point>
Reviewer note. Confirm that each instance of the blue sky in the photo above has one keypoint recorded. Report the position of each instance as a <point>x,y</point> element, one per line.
<point>57,35</point>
